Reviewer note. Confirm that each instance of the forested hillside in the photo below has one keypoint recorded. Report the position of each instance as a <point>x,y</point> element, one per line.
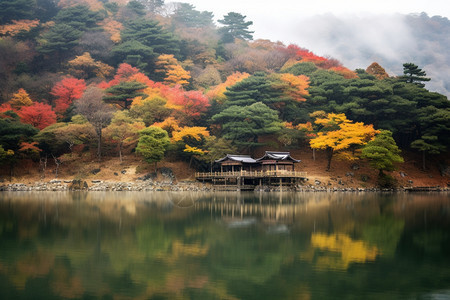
<point>109,78</point>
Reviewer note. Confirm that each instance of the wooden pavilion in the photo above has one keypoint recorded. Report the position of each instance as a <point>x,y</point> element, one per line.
<point>244,172</point>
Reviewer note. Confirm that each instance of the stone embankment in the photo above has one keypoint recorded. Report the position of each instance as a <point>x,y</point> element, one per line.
<point>170,185</point>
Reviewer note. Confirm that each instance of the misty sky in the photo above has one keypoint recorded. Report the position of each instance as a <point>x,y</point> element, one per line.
<point>276,20</point>
<point>356,32</point>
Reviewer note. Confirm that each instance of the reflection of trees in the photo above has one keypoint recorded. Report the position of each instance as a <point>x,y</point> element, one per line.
<point>338,251</point>
<point>384,232</point>
<point>146,247</point>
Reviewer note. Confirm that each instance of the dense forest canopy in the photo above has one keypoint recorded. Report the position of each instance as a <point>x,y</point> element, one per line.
<point>87,74</point>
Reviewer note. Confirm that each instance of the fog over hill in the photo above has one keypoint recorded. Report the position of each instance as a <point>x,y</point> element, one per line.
<point>390,40</point>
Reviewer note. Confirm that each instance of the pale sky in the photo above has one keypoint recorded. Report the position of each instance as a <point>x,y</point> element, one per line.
<point>272,19</point>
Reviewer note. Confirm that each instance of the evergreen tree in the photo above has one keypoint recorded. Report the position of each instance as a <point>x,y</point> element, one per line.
<point>151,34</point>
<point>256,88</point>
<point>79,17</point>
<point>243,125</point>
<point>59,40</point>
<point>235,27</point>
<point>412,74</point>
<point>382,152</point>
<point>134,53</point>
<point>153,143</point>
<point>124,93</point>
<point>187,15</point>
<point>16,10</point>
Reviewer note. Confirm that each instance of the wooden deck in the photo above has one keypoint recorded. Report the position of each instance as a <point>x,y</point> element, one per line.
<point>249,180</point>
<point>250,175</point>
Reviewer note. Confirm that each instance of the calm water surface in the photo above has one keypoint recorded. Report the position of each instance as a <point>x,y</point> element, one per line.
<point>105,245</point>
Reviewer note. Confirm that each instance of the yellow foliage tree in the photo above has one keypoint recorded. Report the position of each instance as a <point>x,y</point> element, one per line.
<point>174,72</point>
<point>170,125</point>
<point>337,133</point>
<point>20,99</point>
<point>195,133</point>
<point>84,66</point>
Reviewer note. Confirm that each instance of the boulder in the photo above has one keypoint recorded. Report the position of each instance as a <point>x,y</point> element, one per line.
<point>78,185</point>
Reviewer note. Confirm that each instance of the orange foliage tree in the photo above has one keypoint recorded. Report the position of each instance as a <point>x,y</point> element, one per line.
<point>66,91</point>
<point>113,27</point>
<point>297,86</point>
<point>17,27</point>
<point>337,133</point>
<point>174,72</point>
<point>38,114</point>
<point>376,70</point>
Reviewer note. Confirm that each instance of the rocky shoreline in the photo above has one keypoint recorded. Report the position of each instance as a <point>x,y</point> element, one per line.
<point>150,185</point>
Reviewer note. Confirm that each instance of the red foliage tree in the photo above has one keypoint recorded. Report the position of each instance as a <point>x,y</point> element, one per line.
<point>192,104</point>
<point>66,91</point>
<point>38,114</point>
<point>126,72</point>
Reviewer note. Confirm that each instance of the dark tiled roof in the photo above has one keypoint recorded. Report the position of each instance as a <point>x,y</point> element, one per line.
<point>278,156</point>
<point>242,158</point>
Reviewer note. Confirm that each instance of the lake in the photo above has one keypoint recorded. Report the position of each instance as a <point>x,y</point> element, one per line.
<point>160,245</point>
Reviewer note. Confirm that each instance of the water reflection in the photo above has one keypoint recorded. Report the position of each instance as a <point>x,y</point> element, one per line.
<point>132,245</point>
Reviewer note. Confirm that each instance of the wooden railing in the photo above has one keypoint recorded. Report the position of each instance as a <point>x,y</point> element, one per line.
<point>250,174</point>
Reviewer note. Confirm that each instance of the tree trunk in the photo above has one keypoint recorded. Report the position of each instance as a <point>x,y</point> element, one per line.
<point>314,154</point>
<point>329,156</point>
<point>120,151</point>
<point>99,143</point>
<point>156,166</point>
<point>57,163</point>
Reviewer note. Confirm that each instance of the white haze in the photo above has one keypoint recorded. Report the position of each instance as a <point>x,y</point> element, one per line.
<point>359,40</point>
<point>356,32</point>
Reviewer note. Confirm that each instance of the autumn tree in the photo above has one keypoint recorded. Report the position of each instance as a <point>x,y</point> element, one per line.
<point>17,27</point>
<point>235,27</point>
<point>20,99</point>
<point>337,133</point>
<point>75,133</point>
<point>97,112</point>
<point>378,71</point>
<point>190,105</point>
<point>38,115</point>
<point>84,66</point>
<point>191,140</point>
<point>66,91</point>
<point>123,130</point>
<point>151,110</point>
<point>174,73</point>
<point>153,143</point>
